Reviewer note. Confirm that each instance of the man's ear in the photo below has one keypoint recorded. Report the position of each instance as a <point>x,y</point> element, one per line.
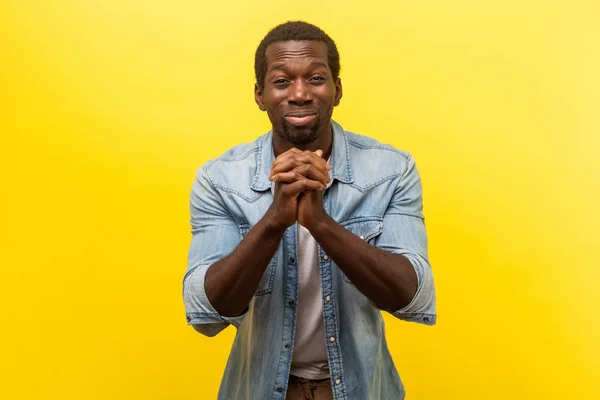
<point>338,91</point>
<point>258,97</point>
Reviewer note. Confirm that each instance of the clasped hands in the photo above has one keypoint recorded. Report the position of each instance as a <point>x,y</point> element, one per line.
<point>300,178</point>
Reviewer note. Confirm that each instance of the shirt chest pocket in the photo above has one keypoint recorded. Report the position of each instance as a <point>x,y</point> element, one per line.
<point>367,229</point>
<point>266,283</point>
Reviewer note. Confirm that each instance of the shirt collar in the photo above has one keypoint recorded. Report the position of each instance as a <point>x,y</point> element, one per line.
<point>340,159</point>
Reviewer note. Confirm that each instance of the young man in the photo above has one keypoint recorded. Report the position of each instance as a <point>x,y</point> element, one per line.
<point>302,237</point>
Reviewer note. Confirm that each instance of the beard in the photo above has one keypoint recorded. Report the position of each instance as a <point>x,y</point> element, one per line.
<point>300,136</point>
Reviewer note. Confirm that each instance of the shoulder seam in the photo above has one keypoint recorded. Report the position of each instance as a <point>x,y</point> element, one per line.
<point>408,158</point>
<point>379,146</point>
<point>239,158</point>
<point>206,167</point>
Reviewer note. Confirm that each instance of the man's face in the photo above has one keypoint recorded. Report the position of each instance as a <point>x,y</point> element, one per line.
<point>299,92</point>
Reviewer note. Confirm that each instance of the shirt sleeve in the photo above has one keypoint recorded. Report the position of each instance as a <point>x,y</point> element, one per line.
<point>214,236</point>
<point>404,233</point>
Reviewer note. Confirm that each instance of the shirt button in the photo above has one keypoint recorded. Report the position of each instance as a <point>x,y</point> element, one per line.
<point>426,319</point>
<point>327,298</point>
<point>337,381</point>
<point>332,339</point>
<point>280,389</point>
<point>287,346</point>
<point>325,257</point>
<point>362,238</point>
<point>291,303</point>
<point>292,260</point>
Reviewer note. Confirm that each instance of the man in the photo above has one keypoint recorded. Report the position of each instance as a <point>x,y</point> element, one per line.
<point>302,237</point>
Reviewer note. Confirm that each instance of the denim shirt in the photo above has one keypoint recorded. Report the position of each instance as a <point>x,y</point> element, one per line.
<point>376,194</point>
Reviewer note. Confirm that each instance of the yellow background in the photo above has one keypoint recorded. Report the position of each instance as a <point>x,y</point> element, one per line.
<point>109,107</point>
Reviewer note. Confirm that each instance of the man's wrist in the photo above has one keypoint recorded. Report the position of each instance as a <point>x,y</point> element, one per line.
<point>272,224</point>
<point>321,226</point>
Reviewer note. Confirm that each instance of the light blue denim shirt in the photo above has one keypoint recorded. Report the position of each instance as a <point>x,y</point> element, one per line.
<point>375,194</point>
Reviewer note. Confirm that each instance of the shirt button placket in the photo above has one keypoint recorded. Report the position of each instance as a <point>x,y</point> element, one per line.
<point>292,274</point>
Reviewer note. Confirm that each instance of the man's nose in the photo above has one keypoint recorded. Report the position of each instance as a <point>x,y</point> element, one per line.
<point>300,93</point>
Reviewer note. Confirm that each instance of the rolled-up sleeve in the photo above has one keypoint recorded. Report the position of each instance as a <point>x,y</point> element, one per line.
<point>404,233</point>
<point>214,236</point>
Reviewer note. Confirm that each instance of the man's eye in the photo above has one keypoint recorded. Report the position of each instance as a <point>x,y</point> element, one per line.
<point>280,81</point>
<point>317,78</point>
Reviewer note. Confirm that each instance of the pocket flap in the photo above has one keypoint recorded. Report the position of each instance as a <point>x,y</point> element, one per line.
<point>365,228</point>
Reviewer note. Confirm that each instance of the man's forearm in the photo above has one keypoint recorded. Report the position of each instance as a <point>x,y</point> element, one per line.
<point>231,282</point>
<point>388,280</point>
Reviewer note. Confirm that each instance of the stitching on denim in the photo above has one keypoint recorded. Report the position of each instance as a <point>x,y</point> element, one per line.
<point>379,146</point>
<point>202,314</point>
<point>377,183</point>
<point>371,233</point>
<point>405,215</point>
<point>348,157</point>
<point>330,353</point>
<point>414,314</point>
<point>239,158</point>
<point>361,219</point>
<point>187,293</point>
<point>209,164</point>
<point>336,175</point>
<point>207,175</point>
<point>233,191</point>
<point>416,317</point>
<point>272,267</point>
<point>334,354</point>
<point>287,366</point>
<point>211,317</point>
<point>233,321</point>
<point>405,168</point>
<point>258,165</point>
<point>368,236</point>
<point>215,185</point>
<point>270,270</point>
<point>325,271</point>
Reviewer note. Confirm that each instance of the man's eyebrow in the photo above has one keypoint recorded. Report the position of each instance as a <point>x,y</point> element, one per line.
<point>282,65</point>
<point>318,64</point>
<point>277,66</point>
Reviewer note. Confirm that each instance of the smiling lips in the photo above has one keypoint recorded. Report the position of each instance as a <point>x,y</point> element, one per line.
<point>300,119</point>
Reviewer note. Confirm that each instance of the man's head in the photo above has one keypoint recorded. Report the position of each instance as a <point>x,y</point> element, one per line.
<point>294,30</point>
<point>297,72</point>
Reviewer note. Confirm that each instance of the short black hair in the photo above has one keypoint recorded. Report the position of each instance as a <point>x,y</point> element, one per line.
<point>294,30</point>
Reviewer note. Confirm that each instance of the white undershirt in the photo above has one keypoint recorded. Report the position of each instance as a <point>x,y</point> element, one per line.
<point>309,358</point>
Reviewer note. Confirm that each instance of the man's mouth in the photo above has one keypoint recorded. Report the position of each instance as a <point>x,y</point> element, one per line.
<point>300,118</point>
